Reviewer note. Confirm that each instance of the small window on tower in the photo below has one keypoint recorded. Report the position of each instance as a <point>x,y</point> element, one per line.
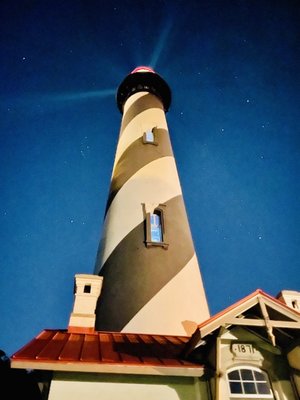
<point>149,137</point>
<point>155,228</point>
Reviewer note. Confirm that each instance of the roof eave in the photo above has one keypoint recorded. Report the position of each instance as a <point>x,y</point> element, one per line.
<point>187,371</point>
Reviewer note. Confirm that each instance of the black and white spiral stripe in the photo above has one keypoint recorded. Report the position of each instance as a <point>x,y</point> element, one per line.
<point>146,289</point>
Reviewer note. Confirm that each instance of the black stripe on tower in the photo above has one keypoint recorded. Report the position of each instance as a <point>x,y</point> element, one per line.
<point>134,274</point>
<point>135,157</point>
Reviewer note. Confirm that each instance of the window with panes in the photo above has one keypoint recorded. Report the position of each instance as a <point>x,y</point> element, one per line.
<point>249,383</point>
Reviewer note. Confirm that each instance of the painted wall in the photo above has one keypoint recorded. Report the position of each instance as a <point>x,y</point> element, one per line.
<point>74,386</point>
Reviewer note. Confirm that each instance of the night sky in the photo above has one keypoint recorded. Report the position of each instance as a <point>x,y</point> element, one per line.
<point>234,71</point>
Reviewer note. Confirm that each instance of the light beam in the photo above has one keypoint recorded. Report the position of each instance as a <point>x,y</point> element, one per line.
<point>160,44</point>
<point>82,95</point>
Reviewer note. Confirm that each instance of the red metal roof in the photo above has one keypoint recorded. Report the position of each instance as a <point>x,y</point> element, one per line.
<point>106,352</point>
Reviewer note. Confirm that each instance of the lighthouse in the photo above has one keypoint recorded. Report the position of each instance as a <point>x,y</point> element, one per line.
<point>142,327</point>
<point>151,276</point>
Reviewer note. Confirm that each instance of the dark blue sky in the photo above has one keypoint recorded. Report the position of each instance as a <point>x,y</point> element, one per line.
<point>234,70</point>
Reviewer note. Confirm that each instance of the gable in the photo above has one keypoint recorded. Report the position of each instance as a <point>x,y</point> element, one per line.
<point>264,315</point>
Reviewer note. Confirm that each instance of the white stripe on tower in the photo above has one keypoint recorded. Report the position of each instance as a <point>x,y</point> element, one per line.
<point>151,284</point>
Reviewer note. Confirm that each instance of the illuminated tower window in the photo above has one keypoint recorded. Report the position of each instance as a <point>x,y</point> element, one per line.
<point>149,137</point>
<point>155,228</point>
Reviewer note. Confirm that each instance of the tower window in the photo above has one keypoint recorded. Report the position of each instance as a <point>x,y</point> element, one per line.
<point>155,228</point>
<point>249,383</point>
<point>149,136</point>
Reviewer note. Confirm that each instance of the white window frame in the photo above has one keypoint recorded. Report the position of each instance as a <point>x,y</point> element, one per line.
<point>247,395</point>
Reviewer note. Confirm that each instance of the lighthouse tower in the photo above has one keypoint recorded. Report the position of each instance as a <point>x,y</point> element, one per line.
<point>152,282</point>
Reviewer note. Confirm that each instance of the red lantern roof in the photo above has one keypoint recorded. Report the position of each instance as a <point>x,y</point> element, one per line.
<point>142,68</point>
